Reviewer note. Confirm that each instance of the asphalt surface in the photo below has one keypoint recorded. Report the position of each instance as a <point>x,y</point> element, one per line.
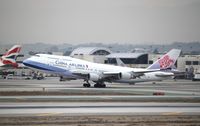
<point>101,98</point>
<point>169,87</point>
<point>139,98</point>
<point>11,109</point>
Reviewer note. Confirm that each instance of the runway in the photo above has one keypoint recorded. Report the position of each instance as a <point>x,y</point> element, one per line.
<point>103,98</point>
<point>76,108</point>
<point>169,87</point>
<point>116,99</point>
<point>51,102</point>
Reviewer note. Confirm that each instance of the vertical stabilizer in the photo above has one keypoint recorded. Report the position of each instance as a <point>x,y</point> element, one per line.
<point>9,58</point>
<point>166,61</point>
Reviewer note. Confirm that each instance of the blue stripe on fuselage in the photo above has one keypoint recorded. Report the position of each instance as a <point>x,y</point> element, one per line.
<point>42,66</point>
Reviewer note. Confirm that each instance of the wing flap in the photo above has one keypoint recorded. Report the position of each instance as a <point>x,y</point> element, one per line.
<point>145,71</point>
<point>164,74</point>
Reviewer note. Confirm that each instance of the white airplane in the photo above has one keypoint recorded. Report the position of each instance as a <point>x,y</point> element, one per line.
<point>8,60</point>
<point>71,69</point>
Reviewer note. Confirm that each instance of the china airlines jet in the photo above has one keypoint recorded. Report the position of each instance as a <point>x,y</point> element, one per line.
<point>8,60</point>
<point>71,69</point>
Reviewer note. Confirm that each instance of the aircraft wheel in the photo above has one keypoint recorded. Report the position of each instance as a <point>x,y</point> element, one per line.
<point>99,85</point>
<point>103,85</point>
<point>96,85</point>
<point>86,85</point>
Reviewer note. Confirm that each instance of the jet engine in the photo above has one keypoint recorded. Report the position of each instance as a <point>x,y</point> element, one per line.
<point>126,75</point>
<point>93,77</point>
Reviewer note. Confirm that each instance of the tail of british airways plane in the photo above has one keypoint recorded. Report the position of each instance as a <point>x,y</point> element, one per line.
<point>166,61</point>
<point>9,58</point>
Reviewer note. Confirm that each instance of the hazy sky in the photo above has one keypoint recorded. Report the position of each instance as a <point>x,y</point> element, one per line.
<point>80,21</point>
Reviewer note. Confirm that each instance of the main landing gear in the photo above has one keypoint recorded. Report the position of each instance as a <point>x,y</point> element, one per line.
<point>87,84</point>
<point>97,85</point>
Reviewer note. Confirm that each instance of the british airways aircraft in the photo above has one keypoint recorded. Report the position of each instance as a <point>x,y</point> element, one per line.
<point>8,60</point>
<point>72,69</point>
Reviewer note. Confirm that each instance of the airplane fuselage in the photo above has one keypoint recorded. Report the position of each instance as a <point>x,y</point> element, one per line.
<point>67,66</point>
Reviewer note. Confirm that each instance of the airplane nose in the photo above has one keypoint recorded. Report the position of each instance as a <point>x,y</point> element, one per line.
<point>26,62</point>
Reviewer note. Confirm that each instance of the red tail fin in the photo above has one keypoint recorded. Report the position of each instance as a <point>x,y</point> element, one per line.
<point>9,58</point>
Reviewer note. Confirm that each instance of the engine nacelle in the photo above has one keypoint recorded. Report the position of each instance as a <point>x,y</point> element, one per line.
<point>93,77</point>
<point>126,75</point>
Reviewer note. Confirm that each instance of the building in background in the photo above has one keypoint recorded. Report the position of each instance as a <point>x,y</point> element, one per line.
<point>190,64</point>
<point>139,60</point>
<point>189,61</point>
<point>92,54</point>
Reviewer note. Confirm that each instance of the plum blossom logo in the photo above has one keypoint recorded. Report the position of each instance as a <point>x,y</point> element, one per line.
<point>165,62</point>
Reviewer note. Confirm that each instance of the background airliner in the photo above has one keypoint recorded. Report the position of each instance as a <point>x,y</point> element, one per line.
<point>8,60</point>
<point>72,68</point>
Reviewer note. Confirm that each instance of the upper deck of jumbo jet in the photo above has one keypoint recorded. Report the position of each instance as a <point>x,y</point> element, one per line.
<point>55,58</point>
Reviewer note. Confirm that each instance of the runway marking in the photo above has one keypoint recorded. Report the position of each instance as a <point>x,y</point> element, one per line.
<point>48,114</point>
<point>172,113</point>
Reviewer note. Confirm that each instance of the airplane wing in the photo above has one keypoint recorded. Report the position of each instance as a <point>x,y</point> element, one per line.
<point>169,73</point>
<point>109,76</point>
<point>164,74</point>
<point>131,74</point>
<point>82,73</point>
